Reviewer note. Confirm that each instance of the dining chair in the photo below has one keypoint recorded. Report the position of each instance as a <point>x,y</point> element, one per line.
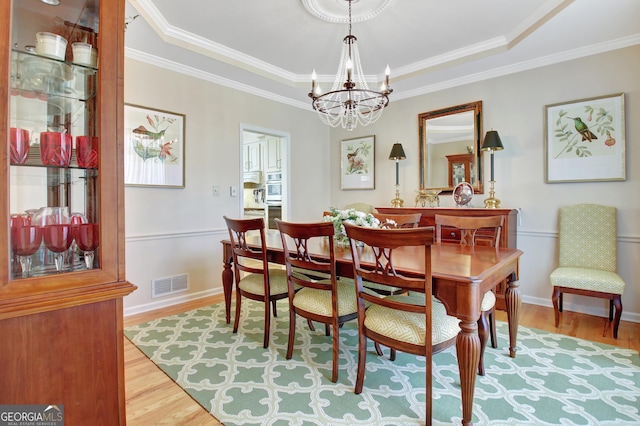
<point>408,220</point>
<point>409,324</point>
<point>328,301</point>
<point>587,258</point>
<point>477,230</point>
<point>254,278</point>
<point>390,221</point>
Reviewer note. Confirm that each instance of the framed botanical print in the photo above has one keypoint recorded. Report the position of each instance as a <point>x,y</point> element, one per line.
<point>153,147</point>
<point>357,163</point>
<point>585,140</point>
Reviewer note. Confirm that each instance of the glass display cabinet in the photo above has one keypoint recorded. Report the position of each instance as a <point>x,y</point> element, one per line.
<point>460,169</point>
<point>62,273</point>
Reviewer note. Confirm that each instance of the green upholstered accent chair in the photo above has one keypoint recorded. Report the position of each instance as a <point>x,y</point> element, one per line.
<point>477,230</point>
<point>254,278</point>
<point>409,324</point>
<point>327,301</point>
<point>361,207</point>
<point>587,258</point>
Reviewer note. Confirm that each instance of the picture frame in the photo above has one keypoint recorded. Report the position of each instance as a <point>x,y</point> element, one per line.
<point>585,140</point>
<point>154,147</point>
<point>357,163</point>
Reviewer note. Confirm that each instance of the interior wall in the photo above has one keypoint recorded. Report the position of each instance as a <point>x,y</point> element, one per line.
<point>175,231</point>
<point>514,105</point>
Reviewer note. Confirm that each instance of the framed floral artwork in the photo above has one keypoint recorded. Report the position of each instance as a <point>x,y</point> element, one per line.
<point>154,147</point>
<point>357,163</point>
<point>585,140</point>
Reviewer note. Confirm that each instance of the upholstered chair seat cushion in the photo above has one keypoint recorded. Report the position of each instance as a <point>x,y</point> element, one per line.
<point>411,327</point>
<point>588,279</point>
<point>488,301</point>
<point>312,274</point>
<point>376,286</point>
<point>254,283</point>
<point>373,286</point>
<point>319,301</point>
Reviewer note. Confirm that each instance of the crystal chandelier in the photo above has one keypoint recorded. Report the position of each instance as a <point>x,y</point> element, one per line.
<point>350,101</point>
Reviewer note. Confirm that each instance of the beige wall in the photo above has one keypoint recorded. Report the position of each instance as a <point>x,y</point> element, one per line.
<point>514,106</point>
<point>175,231</point>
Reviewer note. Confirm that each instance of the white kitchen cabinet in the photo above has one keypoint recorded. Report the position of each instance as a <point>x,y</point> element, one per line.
<point>253,157</point>
<point>273,157</point>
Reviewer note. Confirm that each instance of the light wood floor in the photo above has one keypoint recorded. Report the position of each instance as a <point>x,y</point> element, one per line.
<point>154,399</point>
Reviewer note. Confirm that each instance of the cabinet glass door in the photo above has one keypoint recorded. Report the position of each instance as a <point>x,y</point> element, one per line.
<point>54,172</point>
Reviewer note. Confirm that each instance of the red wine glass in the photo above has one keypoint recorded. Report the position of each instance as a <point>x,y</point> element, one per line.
<point>75,219</point>
<point>86,236</point>
<point>27,241</point>
<point>58,238</point>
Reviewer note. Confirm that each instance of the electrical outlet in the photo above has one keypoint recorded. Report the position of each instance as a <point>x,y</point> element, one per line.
<point>216,191</point>
<point>233,191</point>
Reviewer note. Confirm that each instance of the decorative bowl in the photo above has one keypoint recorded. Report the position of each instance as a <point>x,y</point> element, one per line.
<point>52,45</point>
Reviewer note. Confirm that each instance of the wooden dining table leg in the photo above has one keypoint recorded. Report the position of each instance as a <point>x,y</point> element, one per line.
<point>513,300</point>
<point>227,281</point>
<point>468,351</point>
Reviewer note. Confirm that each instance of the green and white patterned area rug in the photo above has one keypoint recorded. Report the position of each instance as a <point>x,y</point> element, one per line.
<point>554,380</point>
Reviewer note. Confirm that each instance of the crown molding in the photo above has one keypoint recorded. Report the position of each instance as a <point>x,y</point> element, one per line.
<point>212,78</point>
<point>473,78</point>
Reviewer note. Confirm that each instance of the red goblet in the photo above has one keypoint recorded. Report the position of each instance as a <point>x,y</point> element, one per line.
<point>19,146</point>
<point>86,236</point>
<point>58,238</point>
<point>75,219</point>
<point>27,241</point>
<point>55,149</point>
<point>87,151</point>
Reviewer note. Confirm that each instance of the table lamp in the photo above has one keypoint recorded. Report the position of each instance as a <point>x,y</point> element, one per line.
<point>492,143</point>
<point>397,153</point>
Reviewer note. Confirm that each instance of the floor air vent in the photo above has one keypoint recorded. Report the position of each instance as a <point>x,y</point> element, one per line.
<point>169,285</point>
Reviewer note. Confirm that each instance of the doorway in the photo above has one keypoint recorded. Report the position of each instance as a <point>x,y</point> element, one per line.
<point>264,168</point>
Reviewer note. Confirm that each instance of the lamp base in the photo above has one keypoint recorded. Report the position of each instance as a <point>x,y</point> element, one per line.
<point>492,202</point>
<point>397,202</point>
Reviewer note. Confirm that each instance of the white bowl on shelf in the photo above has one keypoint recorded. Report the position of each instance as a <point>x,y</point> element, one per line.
<point>52,45</point>
<point>84,54</point>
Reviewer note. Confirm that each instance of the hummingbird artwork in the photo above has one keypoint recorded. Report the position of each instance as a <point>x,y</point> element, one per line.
<point>583,129</point>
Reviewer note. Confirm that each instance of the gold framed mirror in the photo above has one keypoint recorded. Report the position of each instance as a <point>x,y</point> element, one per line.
<point>450,148</point>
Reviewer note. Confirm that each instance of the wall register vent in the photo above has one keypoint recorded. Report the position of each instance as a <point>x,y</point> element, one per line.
<point>169,285</point>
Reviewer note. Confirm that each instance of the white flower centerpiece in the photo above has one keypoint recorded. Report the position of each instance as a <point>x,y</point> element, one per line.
<point>339,217</point>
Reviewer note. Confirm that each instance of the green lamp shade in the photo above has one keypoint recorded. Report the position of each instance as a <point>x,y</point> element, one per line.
<point>397,153</point>
<point>492,142</point>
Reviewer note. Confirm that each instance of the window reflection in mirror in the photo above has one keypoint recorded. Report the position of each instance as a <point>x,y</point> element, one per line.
<point>450,147</point>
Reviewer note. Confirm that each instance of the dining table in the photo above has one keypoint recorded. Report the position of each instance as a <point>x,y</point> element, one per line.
<point>461,275</point>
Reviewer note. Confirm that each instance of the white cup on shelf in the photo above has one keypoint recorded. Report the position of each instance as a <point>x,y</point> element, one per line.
<point>84,54</point>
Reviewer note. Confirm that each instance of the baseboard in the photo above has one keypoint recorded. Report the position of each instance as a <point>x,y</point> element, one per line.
<point>170,301</point>
<point>589,310</point>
